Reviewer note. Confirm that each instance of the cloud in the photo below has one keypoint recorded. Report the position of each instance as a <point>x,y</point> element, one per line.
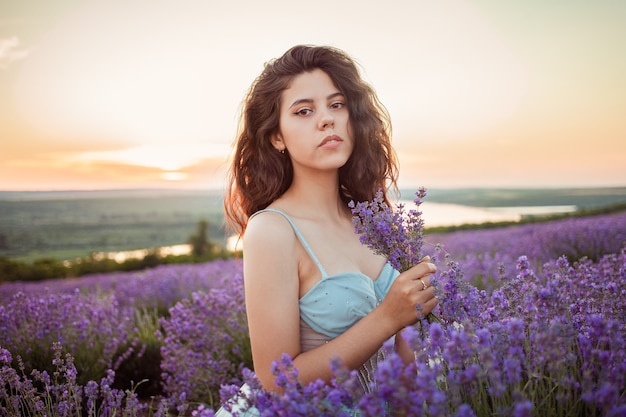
<point>10,51</point>
<point>61,170</point>
<point>165,157</point>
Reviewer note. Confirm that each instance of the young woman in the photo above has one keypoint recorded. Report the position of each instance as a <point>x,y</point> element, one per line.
<point>314,136</point>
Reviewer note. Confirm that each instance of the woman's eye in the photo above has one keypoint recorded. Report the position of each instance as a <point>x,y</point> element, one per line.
<point>337,105</point>
<point>304,112</point>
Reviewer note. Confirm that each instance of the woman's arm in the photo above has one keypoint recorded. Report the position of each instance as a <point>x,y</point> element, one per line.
<point>271,292</point>
<point>361,341</point>
<point>271,254</point>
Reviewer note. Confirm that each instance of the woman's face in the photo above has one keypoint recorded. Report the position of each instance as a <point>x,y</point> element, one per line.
<point>314,123</point>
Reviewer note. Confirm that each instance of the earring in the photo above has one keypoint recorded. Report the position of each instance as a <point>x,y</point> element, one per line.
<point>282,151</point>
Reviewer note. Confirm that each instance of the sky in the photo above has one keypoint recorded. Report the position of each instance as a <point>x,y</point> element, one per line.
<point>146,93</point>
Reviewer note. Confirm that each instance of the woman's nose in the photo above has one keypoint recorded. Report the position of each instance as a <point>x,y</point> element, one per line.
<point>326,120</point>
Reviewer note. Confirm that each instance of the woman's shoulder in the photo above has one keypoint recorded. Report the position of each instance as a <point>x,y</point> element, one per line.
<point>270,227</point>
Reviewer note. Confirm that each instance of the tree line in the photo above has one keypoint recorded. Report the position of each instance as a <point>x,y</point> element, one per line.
<point>203,250</point>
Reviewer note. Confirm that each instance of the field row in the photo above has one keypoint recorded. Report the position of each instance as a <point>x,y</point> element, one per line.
<point>531,323</point>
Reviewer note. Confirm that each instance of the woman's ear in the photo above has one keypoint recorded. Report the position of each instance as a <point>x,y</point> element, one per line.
<point>278,143</point>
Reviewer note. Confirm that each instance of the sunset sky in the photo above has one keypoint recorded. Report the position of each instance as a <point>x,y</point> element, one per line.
<point>141,94</point>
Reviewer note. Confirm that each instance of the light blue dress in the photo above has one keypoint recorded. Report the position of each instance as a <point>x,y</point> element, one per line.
<point>336,303</point>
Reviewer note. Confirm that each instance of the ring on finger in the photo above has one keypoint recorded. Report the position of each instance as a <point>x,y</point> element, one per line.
<point>423,283</point>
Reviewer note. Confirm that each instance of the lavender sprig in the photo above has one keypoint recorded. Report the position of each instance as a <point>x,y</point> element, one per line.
<point>395,234</point>
<point>398,234</point>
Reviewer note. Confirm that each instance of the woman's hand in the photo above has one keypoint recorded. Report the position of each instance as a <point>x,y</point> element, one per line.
<point>410,289</point>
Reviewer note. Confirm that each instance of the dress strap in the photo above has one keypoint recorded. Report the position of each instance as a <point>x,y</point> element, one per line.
<point>299,235</point>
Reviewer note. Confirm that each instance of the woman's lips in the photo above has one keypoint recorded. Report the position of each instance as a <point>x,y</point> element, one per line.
<point>331,142</point>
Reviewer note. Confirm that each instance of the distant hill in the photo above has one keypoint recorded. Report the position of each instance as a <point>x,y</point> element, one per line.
<point>582,198</point>
<point>476,197</point>
<point>99,194</point>
<point>69,224</point>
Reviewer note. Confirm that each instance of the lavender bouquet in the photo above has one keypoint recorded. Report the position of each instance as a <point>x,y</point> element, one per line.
<point>398,234</point>
<point>395,234</point>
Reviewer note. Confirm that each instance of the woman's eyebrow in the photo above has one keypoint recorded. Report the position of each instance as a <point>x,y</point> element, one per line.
<point>310,100</point>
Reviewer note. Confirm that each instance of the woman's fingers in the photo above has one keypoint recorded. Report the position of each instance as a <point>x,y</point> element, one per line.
<point>423,270</point>
<point>428,306</point>
<point>417,278</point>
<point>425,295</point>
<point>410,290</point>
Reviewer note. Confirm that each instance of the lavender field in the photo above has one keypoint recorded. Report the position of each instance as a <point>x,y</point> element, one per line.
<point>531,323</point>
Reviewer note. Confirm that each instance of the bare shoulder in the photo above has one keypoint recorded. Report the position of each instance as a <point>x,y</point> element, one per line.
<point>268,229</point>
<point>270,256</point>
<point>269,235</point>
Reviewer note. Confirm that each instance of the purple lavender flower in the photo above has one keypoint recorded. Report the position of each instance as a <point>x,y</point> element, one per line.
<point>395,234</point>
<point>5,356</point>
<point>314,399</point>
<point>465,411</point>
<point>60,395</point>
<point>546,336</point>
<point>92,329</point>
<point>205,344</point>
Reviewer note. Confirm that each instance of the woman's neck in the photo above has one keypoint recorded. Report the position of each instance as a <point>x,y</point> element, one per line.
<point>315,197</point>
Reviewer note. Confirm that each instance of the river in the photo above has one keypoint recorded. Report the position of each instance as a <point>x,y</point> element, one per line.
<point>434,214</point>
<point>442,214</point>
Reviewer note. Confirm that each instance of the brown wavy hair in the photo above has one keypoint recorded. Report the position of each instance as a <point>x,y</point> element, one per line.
<point>259,174</point>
